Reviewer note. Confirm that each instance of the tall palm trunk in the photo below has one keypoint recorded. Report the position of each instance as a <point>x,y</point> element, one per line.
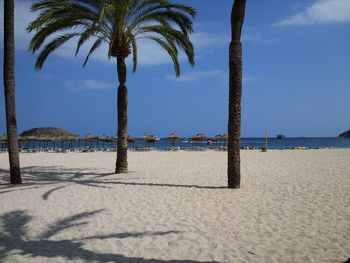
<point>235,94</point>
<point>122,149</point>
<point>9,88</point>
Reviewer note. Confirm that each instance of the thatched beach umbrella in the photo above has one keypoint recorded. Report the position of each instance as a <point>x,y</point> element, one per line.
<point>131,139</point>
<point>90,138</point>
<point>173,137</point>
<point>150,139</point>
<point>98,139</point>
<point>21,140</point>
<point>71,139</point>
<point>106,139</point>
<point>115,139</point>
<point>62,139</point>
<point>224,138</point>
<point>39,139</point>
<point>43,139</point>
<point>199,137</point>
<point>65,138</point>
<point>220,139</point>
<point>49,139</point>
<point>54,140</point>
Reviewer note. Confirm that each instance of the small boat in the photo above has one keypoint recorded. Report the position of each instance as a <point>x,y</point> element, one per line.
<point>280,136</point>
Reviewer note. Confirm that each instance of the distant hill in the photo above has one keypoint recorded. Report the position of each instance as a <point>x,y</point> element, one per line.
<point>48,131</point>
<point>345,134</point>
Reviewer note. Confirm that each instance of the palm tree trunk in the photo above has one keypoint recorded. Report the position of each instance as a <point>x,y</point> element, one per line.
<point>235,95</point>
<point>121,165</point>
<point>9,85</point>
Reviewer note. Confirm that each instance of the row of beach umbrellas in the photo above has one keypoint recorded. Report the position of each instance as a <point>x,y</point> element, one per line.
<point>150,139</point>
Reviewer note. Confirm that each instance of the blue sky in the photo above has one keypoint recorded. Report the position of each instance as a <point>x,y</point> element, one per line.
<point>296,76</point>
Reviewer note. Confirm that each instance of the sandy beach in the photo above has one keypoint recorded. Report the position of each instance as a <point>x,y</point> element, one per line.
<point>294,206</point>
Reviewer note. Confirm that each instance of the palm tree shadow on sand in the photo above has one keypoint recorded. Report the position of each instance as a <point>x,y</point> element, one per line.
<point>15,241</point>
<point>60,178</point>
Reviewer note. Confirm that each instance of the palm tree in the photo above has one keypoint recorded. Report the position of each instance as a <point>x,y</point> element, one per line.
<point>120,24</point>
<point>235,94</point>
<point>9,88</point>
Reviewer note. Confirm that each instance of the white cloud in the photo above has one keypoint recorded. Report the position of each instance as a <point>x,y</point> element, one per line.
<point>213,74</point>
<point>194,76</point>
<point>321,12</point>
<point>204,40</point>
<point>67,51</point>
<point>95,84</point>
<point>89,84</point>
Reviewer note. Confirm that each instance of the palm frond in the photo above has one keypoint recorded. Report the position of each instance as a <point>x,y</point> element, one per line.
<point>172,35</point>
<point>96,45</point>
<point>118,23</point>
<point>40,36</point>
<point>171,50</point>
<point>134,52</point>
<point>52,46</point>
<point>86,35</point>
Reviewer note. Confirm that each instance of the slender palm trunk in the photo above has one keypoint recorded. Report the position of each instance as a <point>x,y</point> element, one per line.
<point>9,84</point>
<point>235,94</point>
<point>121,165</point>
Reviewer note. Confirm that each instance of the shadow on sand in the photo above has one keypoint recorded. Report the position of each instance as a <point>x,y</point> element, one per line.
<point>15,241</point>
<point>38,176</point>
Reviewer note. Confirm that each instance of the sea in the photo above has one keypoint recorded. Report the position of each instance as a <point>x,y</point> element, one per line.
<point>164,144</point>
<point>258,143</point>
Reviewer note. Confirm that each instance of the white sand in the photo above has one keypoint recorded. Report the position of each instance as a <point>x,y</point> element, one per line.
<point>294,206</point>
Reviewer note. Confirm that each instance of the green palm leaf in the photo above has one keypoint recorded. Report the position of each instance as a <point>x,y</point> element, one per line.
<point>117,23</point>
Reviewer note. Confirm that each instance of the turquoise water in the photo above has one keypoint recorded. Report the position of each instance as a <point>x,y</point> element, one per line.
<point>162,144</point>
